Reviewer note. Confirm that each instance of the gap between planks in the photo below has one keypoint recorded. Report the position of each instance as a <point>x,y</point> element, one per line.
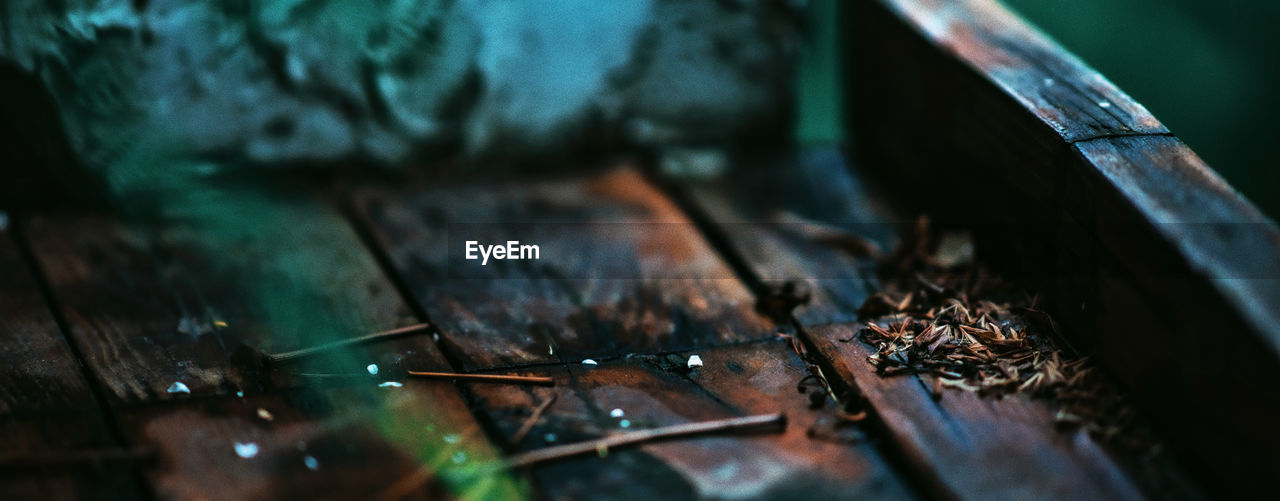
<point>923,481</point>
<point>97,387</point>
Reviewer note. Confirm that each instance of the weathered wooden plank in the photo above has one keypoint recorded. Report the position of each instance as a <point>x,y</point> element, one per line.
<point>1022,455</point>
<point>965,39</point>
<point>1014,440</point>
<point>651,391</point>
<point>153,306</point>
<point>1140,247</point>
<point>621,270</point>
<point>1186,298</point>
<point>353,442</point>
<point>47,408</point>
<point>810,224</point>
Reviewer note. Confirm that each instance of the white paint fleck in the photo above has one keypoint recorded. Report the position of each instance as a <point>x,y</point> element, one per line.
<point>265,414</point>
<point>695,361</point>
<point>390,384</point>
<point>373,369</point>
<point>588,362</point>
<point>617,413</point>
<point>179,387</point>
<point>551,350</point>
<point>246,449</point>
<point>1104,104</point>
<point>311,463</point>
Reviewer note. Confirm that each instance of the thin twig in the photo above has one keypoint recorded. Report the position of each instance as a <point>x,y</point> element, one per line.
<point>289,356</point>
<point>486,378</point>
<point>635,437</point>
<point>533,419</point>
<point>420,476</point>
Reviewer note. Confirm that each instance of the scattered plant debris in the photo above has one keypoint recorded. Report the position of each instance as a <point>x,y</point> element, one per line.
<point>947,317</point>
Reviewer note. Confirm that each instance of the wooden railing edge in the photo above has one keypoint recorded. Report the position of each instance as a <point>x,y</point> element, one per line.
<point>967,112</point>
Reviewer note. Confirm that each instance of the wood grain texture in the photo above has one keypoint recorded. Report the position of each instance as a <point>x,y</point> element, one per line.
<point>1141,248</point>
<point>148,306</point>
<point>46,406</point>
<point>1185,298</point>
<point>1023,455</point>
<point>654,391</point>
<point>351,441</point>
<point>1021,452</point>
<point>621,270</point>
<point>1074,100</point>
<point>808,222</point>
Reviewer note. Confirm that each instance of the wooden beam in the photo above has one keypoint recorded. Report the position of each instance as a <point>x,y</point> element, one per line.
<point>938,442</point>
<point>972,115</point>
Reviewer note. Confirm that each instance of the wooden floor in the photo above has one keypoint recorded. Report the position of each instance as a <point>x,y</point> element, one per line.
<point>101,319</point>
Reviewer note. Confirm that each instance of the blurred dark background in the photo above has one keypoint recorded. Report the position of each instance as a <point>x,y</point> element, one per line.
<point>1207,69</point>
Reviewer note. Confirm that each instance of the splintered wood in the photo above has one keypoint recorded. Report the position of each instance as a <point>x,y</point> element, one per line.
<point>943,315</point>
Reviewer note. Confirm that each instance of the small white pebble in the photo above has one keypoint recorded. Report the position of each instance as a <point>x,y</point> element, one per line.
<point>695,361</point>
<point>1104,104</point>
<point>615,413</point>
<point>588,362</point>
<point>179,387</point>
<point>265,414</point>
<point>311,463</point>
<point>390,384</point>
<point>373,369</point>
<point>246,450</point>
<point>625,423</point>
